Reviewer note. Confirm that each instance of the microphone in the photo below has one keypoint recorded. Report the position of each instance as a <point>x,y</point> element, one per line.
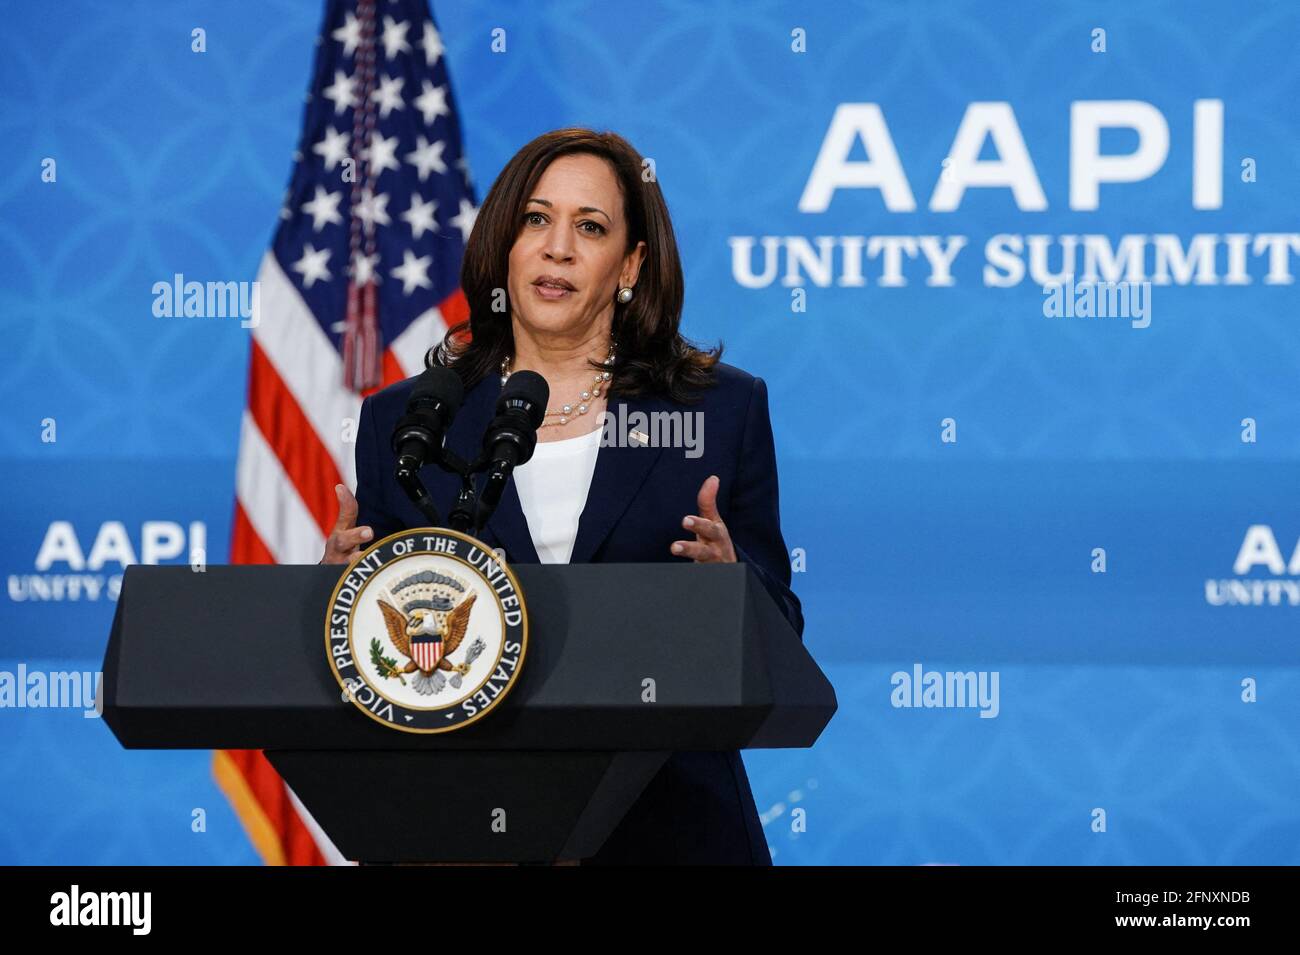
<point>512,436</point>
<point>417,439</point>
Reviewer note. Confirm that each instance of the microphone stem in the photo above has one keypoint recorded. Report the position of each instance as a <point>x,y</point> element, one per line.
<point>462,513</point>
<point>487,503</point>
<point>415,490</point>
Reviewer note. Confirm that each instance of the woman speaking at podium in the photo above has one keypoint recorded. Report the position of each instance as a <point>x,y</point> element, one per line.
<point>571,271</point>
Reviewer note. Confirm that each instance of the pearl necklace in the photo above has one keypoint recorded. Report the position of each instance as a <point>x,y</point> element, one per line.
<point>566,412</point>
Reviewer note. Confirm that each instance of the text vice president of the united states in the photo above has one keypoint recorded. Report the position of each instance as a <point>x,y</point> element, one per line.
<point>572,271</point>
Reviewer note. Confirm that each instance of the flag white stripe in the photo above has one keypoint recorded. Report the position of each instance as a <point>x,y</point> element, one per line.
<point>307,363</point>
<point>422,334</point>
<point>323,842</point>
<point>272,502</point>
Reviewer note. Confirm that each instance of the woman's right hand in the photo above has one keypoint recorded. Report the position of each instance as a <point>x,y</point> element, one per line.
<point>346,542</point>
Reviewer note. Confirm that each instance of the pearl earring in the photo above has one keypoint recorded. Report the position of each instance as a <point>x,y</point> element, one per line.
<point>624,295</point>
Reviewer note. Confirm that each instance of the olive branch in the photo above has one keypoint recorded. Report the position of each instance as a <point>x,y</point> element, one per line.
<point>386,666</point>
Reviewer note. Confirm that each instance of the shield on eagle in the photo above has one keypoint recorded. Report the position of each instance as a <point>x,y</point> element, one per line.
<point>426,650</point>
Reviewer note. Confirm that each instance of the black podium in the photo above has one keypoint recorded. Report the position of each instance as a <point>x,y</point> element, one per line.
<point>233,657</point>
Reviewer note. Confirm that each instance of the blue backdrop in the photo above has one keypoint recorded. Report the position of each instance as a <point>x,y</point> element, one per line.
<point>967,484</point>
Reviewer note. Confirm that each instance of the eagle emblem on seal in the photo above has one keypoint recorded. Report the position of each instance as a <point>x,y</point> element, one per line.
<point>427,616</point>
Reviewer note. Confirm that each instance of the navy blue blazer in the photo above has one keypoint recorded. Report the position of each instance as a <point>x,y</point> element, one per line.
<point>699,807</point>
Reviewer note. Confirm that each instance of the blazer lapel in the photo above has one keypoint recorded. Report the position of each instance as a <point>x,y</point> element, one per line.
<point>621,468</point>
<point>510,526</point>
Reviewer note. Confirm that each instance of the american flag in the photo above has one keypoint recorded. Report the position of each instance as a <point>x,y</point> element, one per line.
<point>361,279</point>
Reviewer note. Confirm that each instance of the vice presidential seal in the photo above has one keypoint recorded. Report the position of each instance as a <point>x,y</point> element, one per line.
<point>427,631</point>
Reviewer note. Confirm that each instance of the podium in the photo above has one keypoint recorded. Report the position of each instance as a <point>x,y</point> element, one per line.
<point>626,664</point>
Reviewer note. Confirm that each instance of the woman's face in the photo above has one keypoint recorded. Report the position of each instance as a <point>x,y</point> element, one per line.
<point>572,230</point>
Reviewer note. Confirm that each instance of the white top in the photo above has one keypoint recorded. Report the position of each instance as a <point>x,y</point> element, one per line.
<point>553,489</point>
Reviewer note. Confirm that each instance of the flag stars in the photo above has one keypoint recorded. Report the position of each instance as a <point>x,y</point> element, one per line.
<point>432,43</point>
<point>365,269</point>
<point>333,148</point>
<point>349,34</point>
<point>414,272</point>
<point>429,152</point>
<point>312,265</point>
<point>373,209</point>
<point>389,95</point>
<point>323,209</point>
<point>420,216</point>
<point>427,157</point>
<point>432,102</point>
<point>394,38</point>
<point>342,92</point>
<point>464,219</point>
<point>382,154</point>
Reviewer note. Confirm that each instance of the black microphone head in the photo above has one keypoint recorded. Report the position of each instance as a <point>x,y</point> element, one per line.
<point>442,384</point>
<point>432,405</point>
<point>528,392</point>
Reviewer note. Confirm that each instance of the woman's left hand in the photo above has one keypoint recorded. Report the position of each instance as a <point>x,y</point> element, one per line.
<point>712,542</point>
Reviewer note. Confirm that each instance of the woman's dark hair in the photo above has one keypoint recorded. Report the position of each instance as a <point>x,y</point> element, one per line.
<point>652,357</point>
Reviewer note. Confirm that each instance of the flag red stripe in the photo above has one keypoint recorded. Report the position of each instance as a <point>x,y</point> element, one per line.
<point>290,435</point>
<point>246,546</point>
<point>260,798</point>
<point>454,309</point>
<point>392,372</point>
